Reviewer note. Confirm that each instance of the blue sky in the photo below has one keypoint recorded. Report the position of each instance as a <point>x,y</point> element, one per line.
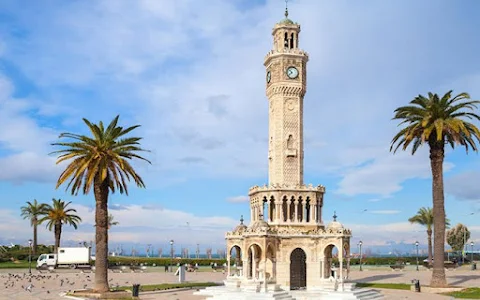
<point>191,73</point>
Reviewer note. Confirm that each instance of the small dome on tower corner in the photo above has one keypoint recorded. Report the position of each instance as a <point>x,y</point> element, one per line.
<point>286,21</point>
<point>335,225</point>
<point>260,224</point>
<point>241,227</point>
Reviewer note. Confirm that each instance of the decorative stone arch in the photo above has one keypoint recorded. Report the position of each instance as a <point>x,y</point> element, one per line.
<point>328,260</point>
<point>254,256</point>
<point>237,259</point>
<point>271,261</point>
<point>298,268</point>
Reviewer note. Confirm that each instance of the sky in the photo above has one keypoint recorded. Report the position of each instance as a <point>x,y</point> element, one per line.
<point>191,74</point>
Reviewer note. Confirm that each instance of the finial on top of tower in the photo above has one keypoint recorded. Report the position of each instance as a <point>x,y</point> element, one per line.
<point>241,220</point>
<point>286,9</point>
<point>334,216</point>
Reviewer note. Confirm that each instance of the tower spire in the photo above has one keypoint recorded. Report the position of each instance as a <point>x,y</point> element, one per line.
<point>286,9</point>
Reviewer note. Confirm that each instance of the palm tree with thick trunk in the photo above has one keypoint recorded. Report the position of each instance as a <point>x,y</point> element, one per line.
<point>57,215</point>
<point>424,217</point>
<point>34,211</point>
<point>101,162</point>
<point>437,121</point>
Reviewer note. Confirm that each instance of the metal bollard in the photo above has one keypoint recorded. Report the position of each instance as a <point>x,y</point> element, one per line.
<point>135,290</point>
<point>416,284</point>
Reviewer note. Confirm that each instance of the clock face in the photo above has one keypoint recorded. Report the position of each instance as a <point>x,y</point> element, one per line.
<point>292,72</point>
<point>269,76</point>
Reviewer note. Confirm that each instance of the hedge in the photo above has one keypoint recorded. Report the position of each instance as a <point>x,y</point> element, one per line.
<point>162,261</point>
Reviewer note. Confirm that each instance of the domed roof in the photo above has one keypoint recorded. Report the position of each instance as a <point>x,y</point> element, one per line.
<point>241,227</point>
<point>335,224</point>
<point>260,224</point>
<point>286,21</point>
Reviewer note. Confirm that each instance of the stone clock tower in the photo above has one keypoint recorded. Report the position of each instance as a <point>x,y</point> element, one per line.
<point>286,245</point>
<point>286,79</point>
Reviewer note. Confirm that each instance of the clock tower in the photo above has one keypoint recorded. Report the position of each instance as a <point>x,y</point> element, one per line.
<point>286,82</point>
<point>286,244</point>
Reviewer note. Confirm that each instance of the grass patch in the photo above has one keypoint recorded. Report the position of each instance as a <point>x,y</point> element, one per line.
<point>469,293</point>
<point>393,286</point>
<point>168,286</point>
<point>17,265</point>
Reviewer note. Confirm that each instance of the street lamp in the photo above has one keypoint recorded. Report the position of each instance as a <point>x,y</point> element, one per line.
<point>171,254</point>
<point>416,245</point>
<point>30,256</point>
<point>360,246</point>
<point>471,257</point>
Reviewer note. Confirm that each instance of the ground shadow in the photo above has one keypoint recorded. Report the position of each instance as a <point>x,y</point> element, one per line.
<point>459,279</point>
<point>378,277</point>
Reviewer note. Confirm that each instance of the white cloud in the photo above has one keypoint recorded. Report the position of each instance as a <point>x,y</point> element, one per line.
<point>23,141</point>
<point>385,173</point>
<point>238,199</point>
<point>464,185</point>
<point>137,224</point>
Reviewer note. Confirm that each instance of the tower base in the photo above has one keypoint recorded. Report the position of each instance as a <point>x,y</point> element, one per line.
<point>257,290</point>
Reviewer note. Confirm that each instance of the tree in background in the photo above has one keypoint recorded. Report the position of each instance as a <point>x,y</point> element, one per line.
<point>458,236</point>
<point>100,162</point>
<point>57,215</point>
<point>111,222</point>
<point>437,121</point>
<point>34,211</point>
<point>424,217</point>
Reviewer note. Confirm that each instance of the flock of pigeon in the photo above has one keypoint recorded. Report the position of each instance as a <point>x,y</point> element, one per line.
<point>45,286</point>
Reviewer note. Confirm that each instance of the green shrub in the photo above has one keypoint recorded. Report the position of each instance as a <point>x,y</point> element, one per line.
<point>161,261</point>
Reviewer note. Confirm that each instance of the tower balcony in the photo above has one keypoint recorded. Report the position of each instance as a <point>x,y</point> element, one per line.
<point>283,204</point>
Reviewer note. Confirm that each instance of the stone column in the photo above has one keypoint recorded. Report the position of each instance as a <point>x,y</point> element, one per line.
<point>295,214</point>
<point>322,269</point>
<point>340,259</point>
<point>312,213</point>
<point>228,265</point>
<point>288,211</point>
<point>279,211</point>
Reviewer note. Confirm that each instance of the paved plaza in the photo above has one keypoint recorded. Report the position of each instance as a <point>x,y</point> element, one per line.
<point>51,286</point>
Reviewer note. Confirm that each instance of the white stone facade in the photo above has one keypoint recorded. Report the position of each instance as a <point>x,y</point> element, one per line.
<point>287,245</point>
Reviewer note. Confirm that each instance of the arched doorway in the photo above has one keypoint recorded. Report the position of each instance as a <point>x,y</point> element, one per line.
<point>236,256</point>
<point>331,261</point>
<point>270,263</point>
<point>298,269</point>
<point>254,256</point>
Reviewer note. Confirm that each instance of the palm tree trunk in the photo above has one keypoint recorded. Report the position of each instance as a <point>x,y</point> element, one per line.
<point>436,161</point>
<point>429,235</point>
<point>34,249</point>
<point>101,236</point>
<point>58,233</point>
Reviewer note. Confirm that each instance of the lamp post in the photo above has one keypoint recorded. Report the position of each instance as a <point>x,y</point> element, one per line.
<point>30,256</point>
<point>471,254</point>
<point>360,246</point>
<point>171,254</point>
<point>416,245</point>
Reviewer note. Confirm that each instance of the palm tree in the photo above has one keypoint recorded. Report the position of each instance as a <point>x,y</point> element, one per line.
<point>57,215</point>
<point>111,222</point>
<point>437,121</point>
<point>33,211</point>
<point>424,217</point>
<point>100,162</point>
